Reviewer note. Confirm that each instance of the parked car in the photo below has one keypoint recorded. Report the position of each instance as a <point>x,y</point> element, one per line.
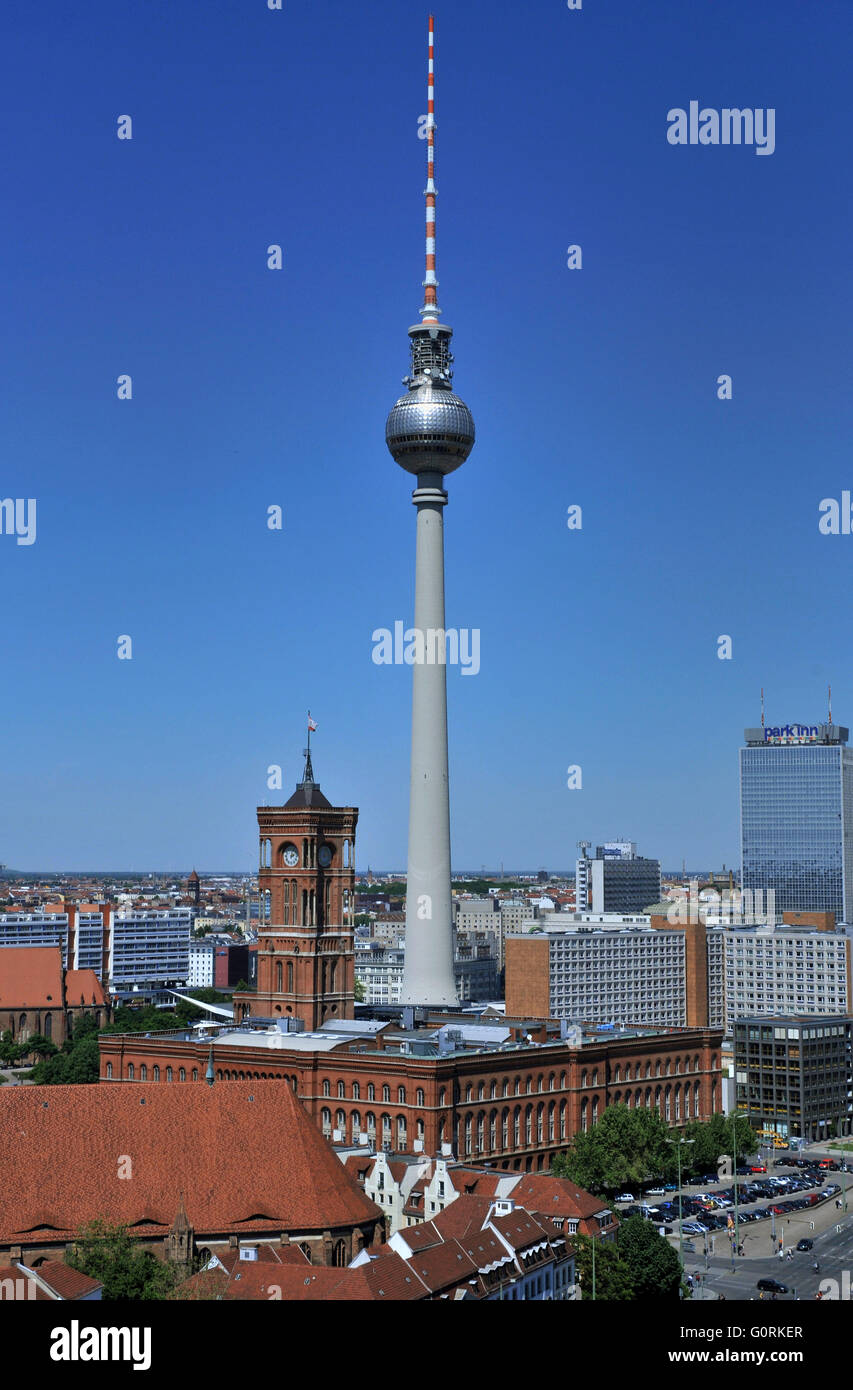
<point>655,1191</point>
<point>625,1197</point>
<point>758,1168</point>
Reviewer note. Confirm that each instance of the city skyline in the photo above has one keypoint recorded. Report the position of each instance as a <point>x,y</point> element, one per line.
<point>700,517</point>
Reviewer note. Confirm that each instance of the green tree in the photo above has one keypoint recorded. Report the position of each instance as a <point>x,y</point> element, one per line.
<point>612,1273</point>
<point>40,1046</point>
<point>9,1050</point>
<point>359,991</point>
<point>714,1137</point>
<point>107,1253</point>
<point>625,1148</point>
<point>653,1265</point>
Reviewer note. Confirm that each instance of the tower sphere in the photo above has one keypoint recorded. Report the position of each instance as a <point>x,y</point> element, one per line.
<point>430,430</point>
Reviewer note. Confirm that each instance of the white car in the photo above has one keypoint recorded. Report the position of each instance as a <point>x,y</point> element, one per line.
<point>625,1197</point>
<point>656,1192</point>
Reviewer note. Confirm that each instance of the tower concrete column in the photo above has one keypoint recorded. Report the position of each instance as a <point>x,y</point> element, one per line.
<point>430,433</point>
<point>428,976</point>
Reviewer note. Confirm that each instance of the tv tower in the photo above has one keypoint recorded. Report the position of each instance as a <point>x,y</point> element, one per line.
<point>430,432</point>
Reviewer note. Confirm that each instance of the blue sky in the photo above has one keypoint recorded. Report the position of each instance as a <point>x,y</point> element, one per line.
<point>254,387</point>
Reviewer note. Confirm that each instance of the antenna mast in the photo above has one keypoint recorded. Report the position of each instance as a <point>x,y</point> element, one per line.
<point>430,311</point>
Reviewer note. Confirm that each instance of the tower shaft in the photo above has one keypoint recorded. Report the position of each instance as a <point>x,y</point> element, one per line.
<point>428,976</point>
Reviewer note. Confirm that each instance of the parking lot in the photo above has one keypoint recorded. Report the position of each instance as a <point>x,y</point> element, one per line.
<point>789,1204</point>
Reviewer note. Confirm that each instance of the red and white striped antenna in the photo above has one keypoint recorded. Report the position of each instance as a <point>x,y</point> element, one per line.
<point>430,311</point>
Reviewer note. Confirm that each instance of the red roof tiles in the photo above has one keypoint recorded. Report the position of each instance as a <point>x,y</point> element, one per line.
<point>245,1154</point>
<point>31,977</point>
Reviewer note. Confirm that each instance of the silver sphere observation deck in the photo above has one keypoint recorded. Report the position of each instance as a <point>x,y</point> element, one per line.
<point>430,429</point>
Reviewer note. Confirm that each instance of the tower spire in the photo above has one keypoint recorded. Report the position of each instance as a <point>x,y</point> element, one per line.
<point>430,311</point>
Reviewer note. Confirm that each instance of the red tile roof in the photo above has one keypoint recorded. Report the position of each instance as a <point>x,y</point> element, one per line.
<point>556,1196</point>
<point>65,1282</point>
<point>83,987</point>
<point>465,1214</point>
<point>31,977</point>
<point>245,1155</point>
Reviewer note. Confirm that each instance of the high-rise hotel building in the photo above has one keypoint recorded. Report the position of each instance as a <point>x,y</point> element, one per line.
<point>796,798</point>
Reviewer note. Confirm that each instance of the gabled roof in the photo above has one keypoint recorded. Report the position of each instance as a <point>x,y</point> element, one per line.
<point>556,1196</point>
<point>245,1154</point>
<point>83,987</point>
<point>31,977</point>
<point>62,1281</point>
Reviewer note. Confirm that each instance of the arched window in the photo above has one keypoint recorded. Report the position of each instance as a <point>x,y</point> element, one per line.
<point>401,1095</point>
<point>551,1109</point>
<point>505,1087</point>
<point>130,1071</point>
<point>678,1103</point>
<point>528,1125</point>
<point>562,1081</point>
<point>595,1110</point>
<point>540,1111</point>
<point>195,1073</point>
<point>516,1126</point>
<point>109,1071</point>
<point>279,973</point>
<point>386,1092</point>
<point>48,1025</point>
<point>326,1120</point>
<point>143,1072</point>
<point>469,1092</point>
<point>585,1114</point>
<point>168,1073</point>
<point>667,1100</point>
<point>371,1091</point>
<point>562,1119</point>
<point>370,1121</point>
<point>493,1130</point>
<point>401,1133</point>
<point>386,1130</point>
<point>290,977</point>
<point>583,1078</point>
<point>442,1096</point>
<point>505,1128</point>
<point>468,1134</point>
<point>156,1073</point>
<point>182,1075</point>
<point>327,1091</point>
<point>419,1096</point>
<point>342,1090</point>
<point>341,1123</point>
<point>339,1254</point>
<point>356,1091</point>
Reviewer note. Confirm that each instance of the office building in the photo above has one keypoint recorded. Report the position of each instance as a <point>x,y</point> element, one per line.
<point>616,880</point>
<point>793,1075</point>
<point>796,798</point>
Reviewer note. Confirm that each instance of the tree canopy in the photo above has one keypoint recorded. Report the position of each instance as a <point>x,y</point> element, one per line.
<point>107,1253</point>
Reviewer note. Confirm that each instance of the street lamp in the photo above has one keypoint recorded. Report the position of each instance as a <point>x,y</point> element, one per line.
<point>678,1143</point>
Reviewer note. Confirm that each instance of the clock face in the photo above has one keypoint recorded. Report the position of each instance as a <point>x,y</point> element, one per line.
<point>291,856</point>
<point>325,856</point>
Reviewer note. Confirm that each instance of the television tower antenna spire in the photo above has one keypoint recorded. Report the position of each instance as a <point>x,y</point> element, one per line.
<point>430,311</point>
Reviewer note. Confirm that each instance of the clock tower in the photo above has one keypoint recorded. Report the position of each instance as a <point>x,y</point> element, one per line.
<point>306,924</point>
